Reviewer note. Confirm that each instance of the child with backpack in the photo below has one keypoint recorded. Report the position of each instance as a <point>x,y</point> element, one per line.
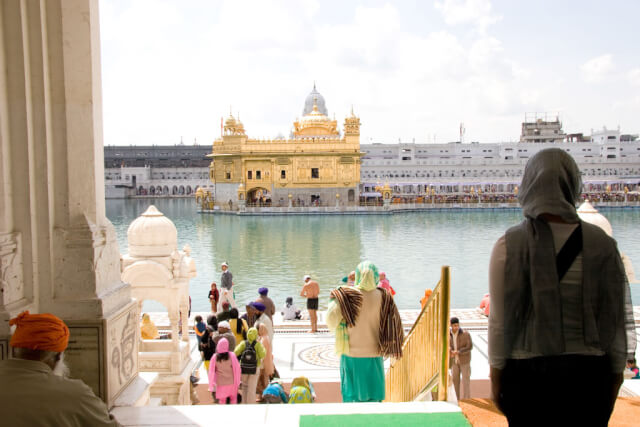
<point>251,353</point>
<point>224,374</point>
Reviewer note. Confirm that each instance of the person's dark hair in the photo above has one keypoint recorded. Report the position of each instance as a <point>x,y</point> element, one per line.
<point>198,318</point>
<point>212,321</point>
<point>632,360</point>
<point>233,314</point>
<point>455,320</point>
<point>222,356</point>
<point>289,301</point>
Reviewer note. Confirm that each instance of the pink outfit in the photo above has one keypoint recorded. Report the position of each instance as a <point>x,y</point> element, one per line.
<point>384,284</point>
<point>224,377</point>
<point>225,391</point>
<point>485,304</point>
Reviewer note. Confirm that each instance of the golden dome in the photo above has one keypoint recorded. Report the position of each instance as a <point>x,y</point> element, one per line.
<point>231,121</point>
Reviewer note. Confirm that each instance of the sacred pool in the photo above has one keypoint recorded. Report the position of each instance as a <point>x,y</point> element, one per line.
<point>277,251</point>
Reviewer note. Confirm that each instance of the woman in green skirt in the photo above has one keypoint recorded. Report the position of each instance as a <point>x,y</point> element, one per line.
<point>368,328</point>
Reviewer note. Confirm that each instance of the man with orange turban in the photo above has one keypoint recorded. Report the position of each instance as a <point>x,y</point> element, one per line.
<point>35,390</point>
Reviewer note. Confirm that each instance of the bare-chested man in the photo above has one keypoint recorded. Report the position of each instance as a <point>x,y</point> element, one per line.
<point>311,291</point>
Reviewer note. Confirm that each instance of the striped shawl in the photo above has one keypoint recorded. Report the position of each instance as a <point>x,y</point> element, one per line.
<point>391,333</point>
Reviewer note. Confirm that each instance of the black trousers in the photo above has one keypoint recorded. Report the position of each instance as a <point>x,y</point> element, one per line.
<point>567,390</point>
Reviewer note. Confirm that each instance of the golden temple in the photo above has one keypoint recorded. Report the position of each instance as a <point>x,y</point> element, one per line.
<point>315,166</point>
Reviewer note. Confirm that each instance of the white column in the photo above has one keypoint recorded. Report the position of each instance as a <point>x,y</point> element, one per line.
<point>58,251</point>
<point>184,314</point>
<point>174,318</point>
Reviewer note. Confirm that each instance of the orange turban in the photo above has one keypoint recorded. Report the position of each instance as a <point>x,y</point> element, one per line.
<point>39,332</point>
<point>427,294</point>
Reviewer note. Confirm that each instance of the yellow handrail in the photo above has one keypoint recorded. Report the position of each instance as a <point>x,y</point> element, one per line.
<point>425,352</point>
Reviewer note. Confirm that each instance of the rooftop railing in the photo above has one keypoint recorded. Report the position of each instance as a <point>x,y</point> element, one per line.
<point>425,352</point>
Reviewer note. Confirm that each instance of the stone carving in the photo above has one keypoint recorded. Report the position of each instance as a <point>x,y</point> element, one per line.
<point>87,252</point>
<point>156,365</point>
<point>122,356</point>
<point>11,282</point>
<point>116,363</point>
<point>128,345</point>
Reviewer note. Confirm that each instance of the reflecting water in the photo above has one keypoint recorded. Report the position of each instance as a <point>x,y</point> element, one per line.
<point>277,251</point>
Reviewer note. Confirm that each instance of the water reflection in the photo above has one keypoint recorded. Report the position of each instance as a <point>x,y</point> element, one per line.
<point>276,251</point>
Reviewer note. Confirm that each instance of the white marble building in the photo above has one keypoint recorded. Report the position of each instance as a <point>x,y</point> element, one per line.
<point>610,158</point>
<point>174,170</point>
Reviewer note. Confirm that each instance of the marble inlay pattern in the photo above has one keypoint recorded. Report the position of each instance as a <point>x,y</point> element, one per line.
<point>320,355</point>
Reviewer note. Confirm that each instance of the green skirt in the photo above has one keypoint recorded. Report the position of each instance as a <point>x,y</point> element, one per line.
<point>362,379</point>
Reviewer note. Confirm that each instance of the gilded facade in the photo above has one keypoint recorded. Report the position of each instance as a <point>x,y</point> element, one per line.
<point>316,165</point>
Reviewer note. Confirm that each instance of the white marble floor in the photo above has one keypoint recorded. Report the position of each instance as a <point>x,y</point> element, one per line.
<point>275,415</point>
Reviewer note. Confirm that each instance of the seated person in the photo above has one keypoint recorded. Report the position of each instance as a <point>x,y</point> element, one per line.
<point>274,393</point>
<point>290,311</point>
<point>34,387</point>
<point>148,329</point>
<point>484,305</point>
<point>302,391</point>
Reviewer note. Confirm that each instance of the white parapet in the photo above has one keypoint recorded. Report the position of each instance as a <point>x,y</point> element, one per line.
<point>157,270</point>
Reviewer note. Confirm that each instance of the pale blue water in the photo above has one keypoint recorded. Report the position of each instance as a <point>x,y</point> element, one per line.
<point>277,251</point>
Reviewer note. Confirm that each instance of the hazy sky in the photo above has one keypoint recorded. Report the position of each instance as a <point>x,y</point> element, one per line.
<point>411,69</point>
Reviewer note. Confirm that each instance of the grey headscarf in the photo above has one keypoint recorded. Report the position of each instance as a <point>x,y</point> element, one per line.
<point>551,184</point>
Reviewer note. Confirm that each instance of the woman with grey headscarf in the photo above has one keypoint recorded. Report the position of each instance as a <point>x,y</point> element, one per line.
<point>561,321</point>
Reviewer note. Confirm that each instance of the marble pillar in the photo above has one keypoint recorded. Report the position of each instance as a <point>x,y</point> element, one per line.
<point>58,251</point>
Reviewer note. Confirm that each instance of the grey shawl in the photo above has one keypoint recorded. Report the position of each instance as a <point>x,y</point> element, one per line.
<point>533,308</point>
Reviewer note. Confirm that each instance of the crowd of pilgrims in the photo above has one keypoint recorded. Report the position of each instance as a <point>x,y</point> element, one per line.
<point>237,351</point>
